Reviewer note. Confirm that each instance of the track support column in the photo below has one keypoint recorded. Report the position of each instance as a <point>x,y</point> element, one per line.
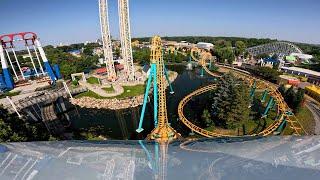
<point>282,125</point>
<point>253,89</point>
<point>152,75</point>
<point>263,99</point>
<point>168,80</point>
<point>269,105</point>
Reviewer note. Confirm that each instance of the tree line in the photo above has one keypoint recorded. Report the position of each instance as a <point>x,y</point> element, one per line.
<point>250,42</point>
<point>14,129</point>
<point>294,98</point>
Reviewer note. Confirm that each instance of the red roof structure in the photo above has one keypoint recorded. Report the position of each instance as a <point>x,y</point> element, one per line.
<point>101,70</point>
<point>119,67</point>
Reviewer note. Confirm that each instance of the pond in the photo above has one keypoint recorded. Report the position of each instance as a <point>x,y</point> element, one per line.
<point>121,124</point>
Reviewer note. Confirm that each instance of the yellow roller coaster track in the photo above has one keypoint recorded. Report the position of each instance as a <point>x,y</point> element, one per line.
<point>282,107</point>
<point>163,132</point>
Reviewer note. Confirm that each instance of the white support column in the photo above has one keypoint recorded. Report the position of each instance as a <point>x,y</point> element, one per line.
<point>13,106</point>
<point>34,66</point>
<point>67,89</point>
<point>35,50</point>
<point>125,35</point>
<point>12,67</point>
<point>106,39</point>
<point>15,56</point>
<point>123,54</point>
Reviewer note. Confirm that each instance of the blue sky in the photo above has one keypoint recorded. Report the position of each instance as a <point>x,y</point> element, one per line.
<point>70,21</point>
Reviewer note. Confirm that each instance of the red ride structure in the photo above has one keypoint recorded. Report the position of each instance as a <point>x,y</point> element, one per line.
<point>31,41</point>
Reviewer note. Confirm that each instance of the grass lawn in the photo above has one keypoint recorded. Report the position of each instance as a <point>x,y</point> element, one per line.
<point>90,94</point>
<point>93,80</point>
<point>129,91</point>
<point>305,117</point>
<point>251,127</point>
<point>109,89</point>
<point>10,94</point>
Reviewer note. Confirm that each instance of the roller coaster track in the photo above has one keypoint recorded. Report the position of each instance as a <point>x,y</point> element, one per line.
<point>283,109</point>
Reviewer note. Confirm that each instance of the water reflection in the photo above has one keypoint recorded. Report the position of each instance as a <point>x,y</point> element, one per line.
<point>121,124</point>
<point>236,158</point>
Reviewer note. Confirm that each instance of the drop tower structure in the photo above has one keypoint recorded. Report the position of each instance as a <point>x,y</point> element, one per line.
<point>125,39</point>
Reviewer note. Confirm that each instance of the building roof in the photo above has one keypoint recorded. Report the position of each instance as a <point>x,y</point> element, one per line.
<point>204,43</point>
<point>302,56</point>
<point>291,58</point>
<point>288,77</point>
<point>101,70</point>
<point>270,59</point>
<point>146,68</point>
<point>119,66</point>
<point>302,70</point>
<point>313,88</point>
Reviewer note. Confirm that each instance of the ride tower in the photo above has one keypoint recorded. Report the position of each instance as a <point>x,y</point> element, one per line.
<point>153,76</point>
<point>106,40</point>
<point>125,37</point>
<point>162,131</point>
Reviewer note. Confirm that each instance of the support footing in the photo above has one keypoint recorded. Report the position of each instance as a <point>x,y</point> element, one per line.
<point>139,130</point>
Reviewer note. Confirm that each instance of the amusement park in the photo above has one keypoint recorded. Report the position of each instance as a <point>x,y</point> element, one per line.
<point>152,107</point>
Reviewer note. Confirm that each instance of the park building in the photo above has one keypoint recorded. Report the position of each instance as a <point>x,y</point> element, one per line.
<point>313,76</point>
<point>297,58</point>
<point>76,52</point>
<point>169,43</point>
<point>135,43</point>
<point>204,45</point>
<point>269,62</point>
<point>302,56</point>
<point>98,51</point>
<point>183,44</point>
<point>313,91</point>
<point>288,80</point>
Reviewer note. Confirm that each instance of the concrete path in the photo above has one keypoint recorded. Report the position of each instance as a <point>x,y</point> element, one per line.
<point>314,107</point>
<point>98,89</point>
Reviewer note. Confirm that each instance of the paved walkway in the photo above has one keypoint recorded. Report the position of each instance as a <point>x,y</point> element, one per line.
<point>98,89</point>
<point>314,107</point>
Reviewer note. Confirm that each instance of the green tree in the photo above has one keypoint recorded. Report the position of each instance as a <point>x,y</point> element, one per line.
<point>141,56</point>
<point>298,99</point>
<point>206,117</point>
<point>289,96</point>
<point>262,56</point>
<point>13,129</point>
<point>88,51</point>
<point>240,48</point>
<point>267,73</point>
<point>230,102</point>
<point>282,89</point>
<point>293,98</point>
<point>117,52</point>
<point>276,65</point>
<point>224,53</point>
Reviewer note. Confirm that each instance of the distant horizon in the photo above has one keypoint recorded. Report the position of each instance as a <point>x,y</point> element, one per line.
<point>75,21</point>
<point>163,37</point>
